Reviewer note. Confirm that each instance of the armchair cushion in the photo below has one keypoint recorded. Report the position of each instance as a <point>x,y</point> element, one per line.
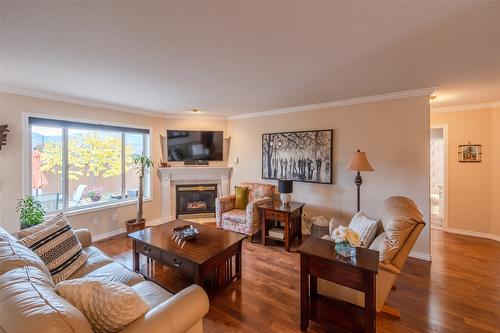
<point>258,190</point>
<point>235,215</point>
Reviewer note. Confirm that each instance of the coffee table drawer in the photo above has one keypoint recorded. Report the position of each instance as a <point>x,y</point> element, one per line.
<point>177,262</point>
<point>148,250</point>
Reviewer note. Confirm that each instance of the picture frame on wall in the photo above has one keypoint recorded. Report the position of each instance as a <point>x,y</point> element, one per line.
<point>469,153</point>
<point>303,156</point>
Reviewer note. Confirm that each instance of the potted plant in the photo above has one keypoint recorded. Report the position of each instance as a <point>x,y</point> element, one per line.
<point>144,164</point>
<point>94,195</point>
<point>30,211</point>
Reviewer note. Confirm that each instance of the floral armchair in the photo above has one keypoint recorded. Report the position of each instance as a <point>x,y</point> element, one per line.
<point>243,221</point>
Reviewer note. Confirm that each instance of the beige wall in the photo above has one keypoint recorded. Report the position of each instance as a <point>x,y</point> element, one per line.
<point>394,134</point>
<point>11,177</point>
<point>473,188</point>
<point>495,172</point>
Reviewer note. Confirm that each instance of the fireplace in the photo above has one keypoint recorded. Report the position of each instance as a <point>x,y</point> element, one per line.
<point>195,200</point>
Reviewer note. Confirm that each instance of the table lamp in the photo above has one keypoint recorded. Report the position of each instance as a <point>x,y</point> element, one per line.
<point>358,163</point>
<point>285,187</point>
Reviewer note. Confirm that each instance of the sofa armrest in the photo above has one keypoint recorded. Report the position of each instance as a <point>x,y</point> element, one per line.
<point>223,204</point>
<point>84,237</point>
<point>175,315</point>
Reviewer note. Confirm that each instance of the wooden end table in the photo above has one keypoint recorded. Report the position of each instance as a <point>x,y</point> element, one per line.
<point>290,216</point>
<point>318,259</point>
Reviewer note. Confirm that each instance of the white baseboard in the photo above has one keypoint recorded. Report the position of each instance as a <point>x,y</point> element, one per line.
<point>420,255</point>
<point>109,234</point>
<point>472,233</point>
<point>161,220</point>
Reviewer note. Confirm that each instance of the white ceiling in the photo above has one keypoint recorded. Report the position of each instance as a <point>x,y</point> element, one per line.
<point>230,58</point>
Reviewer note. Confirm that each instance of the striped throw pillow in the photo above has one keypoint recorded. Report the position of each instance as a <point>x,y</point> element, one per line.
<point>365,227</point>
<point>59,248</point>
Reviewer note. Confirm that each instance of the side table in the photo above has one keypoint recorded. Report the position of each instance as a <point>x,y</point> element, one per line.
<point>290,216</point>
<point>318,259</point>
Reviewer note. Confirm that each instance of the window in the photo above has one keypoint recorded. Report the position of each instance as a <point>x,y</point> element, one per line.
<point>76,165</point>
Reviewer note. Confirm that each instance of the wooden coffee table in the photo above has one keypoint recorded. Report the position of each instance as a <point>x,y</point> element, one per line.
<point>212,260</point>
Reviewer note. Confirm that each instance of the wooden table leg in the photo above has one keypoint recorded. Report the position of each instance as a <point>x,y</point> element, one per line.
<point>370,303</point>
<point>287,233</point>
<point>135,255</point>
<point>263,225</point>
<point>304,294</point>
<point>238,262</point>
<point>300,226</point>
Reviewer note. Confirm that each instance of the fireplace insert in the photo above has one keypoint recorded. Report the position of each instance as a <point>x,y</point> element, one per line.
<point>195,200</point>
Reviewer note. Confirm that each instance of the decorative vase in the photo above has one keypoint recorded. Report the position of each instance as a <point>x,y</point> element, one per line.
<point>344,249</point>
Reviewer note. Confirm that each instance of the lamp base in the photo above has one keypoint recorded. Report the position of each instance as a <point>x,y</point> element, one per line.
<point>285,199</point>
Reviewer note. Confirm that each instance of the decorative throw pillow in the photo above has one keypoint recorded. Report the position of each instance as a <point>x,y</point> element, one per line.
<point>108,306</point>
<point>59,249</point>
<point>365,227</point>
<point>30,231</point>
<point>241,197</point>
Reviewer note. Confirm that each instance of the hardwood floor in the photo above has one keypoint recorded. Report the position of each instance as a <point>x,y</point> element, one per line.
<point>458,292</point>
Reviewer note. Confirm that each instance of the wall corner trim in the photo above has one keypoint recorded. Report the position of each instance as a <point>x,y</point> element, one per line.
<point>108,234</point>
<point>463,232</point>
<point>338,103</point>
<point>420,255</point>
<point>467,107</point>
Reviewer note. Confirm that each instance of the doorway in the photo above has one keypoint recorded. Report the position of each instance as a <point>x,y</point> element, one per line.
<point>438,168</point>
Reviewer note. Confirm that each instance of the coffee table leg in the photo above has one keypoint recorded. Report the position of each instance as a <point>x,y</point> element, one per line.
<point>135,256</point>
<point>238,262</point>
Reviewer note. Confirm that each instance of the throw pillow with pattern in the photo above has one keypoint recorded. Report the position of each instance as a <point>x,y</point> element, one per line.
<point>365,227</point>
<point>59,248</point>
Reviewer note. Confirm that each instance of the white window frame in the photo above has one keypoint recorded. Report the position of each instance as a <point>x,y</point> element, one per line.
<point>27,171</point>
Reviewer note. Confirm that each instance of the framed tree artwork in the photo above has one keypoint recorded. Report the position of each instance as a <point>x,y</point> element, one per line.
<point>304,156</point>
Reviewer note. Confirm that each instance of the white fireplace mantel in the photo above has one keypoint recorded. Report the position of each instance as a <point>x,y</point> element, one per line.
<point>172,176</point>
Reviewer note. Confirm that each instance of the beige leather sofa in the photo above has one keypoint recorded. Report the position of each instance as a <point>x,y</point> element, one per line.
<point>29,303</point>
<point>387,273</point>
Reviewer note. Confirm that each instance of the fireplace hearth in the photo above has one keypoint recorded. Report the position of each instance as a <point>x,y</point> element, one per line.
<point>194,201</point>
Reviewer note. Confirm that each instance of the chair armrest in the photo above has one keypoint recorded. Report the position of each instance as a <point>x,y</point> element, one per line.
<point>84,237</point>
<point>175,315</point>
<point>252,213</point>
<point>223,204</point>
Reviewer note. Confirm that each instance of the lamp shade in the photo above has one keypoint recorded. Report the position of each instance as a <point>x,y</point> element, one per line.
<point>285,185</point>
<point>359,162</point>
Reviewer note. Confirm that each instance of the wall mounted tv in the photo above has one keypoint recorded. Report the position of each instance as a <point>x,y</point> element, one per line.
<point>194,145</point>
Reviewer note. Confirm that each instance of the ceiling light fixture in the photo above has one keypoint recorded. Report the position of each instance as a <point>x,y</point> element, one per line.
<point>432,98</point>
<point>194,111</point>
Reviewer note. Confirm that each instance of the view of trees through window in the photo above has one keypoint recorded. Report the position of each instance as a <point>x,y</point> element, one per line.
<point>98,164</point>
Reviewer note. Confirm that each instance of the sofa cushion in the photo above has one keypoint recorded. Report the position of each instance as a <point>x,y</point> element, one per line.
<point>151,293</point>
<point>96,259</point>
<point>365,227</point>
<point>109,306</point>
<point>235,215</point>
<point>400,218</point>
<point>114,272</point>
<point>14,255</point>
<point>6,237</point>
<point>30,304</point>
<point>59,249</point>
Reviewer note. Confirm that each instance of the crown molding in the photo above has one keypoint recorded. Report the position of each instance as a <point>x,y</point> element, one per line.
<point>338,103</point>
<point>102,105</point>
<point>466,107</point>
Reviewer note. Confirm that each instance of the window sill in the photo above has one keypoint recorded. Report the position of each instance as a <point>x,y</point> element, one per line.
<point>81,211</point>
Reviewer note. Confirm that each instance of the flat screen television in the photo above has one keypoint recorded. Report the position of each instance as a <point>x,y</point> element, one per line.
<point>194,145</point>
